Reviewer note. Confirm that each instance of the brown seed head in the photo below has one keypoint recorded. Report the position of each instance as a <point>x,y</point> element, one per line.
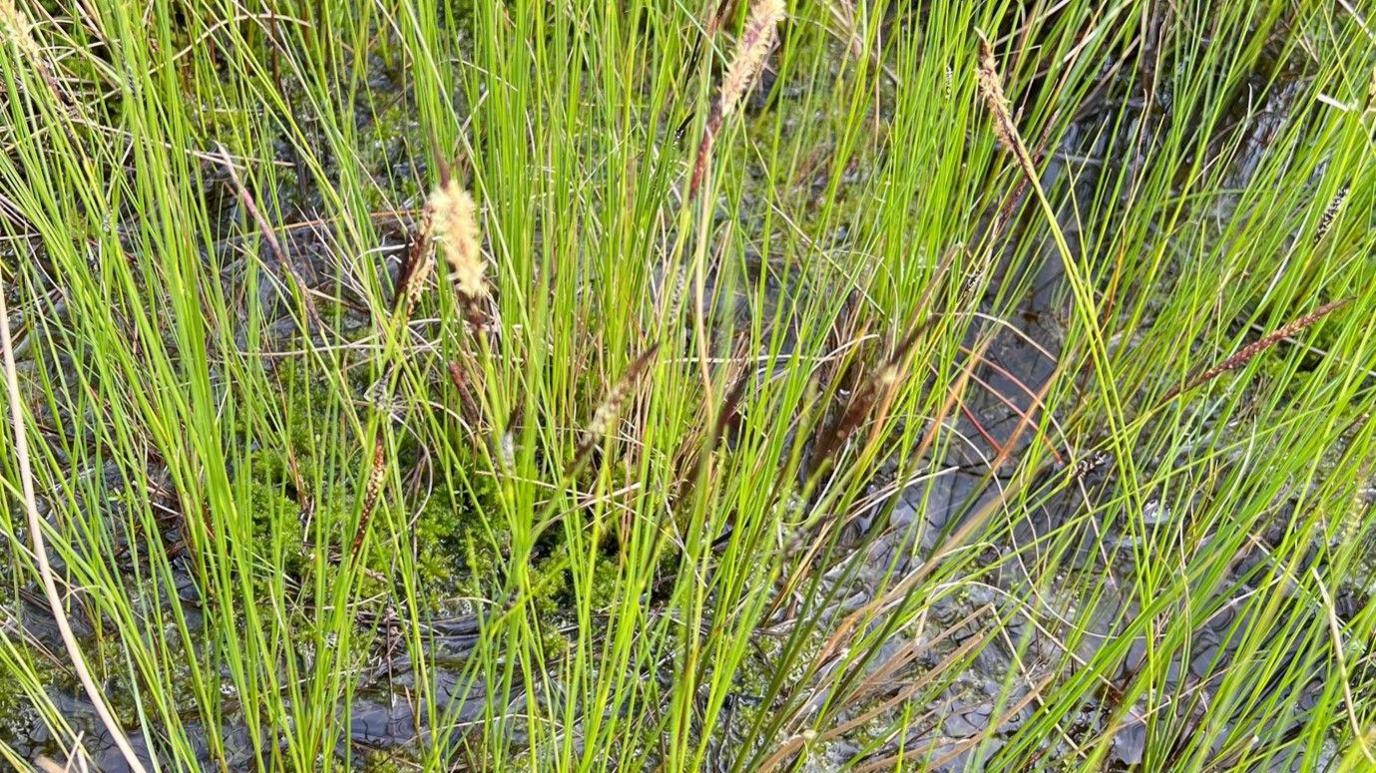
<point>607,412</point>
<point>377,475</point>
<point>991,86</point>
<point>417,265</point>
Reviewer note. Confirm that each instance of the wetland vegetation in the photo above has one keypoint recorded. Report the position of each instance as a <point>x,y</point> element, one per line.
<point>687,385</point>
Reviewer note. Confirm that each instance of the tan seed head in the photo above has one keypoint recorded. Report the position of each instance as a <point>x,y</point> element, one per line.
<point>453,222</point>
<point>761,31</point>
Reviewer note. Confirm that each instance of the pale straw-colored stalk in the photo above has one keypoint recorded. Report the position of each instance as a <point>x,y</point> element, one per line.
<point>40,548</point>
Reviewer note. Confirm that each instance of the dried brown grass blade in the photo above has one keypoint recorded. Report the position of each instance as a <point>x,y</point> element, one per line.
<point>697,446</point>
<point>924,445</point>
<point>469,406</point>
<point>954,541</point>
<point>874,397</point>
<point>908,690</point>
<point>46,764</point>
<point>894,762</point>
<point>880,392</point>
<point>29,500</point>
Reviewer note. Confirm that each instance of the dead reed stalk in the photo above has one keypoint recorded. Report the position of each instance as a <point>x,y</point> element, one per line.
<point>284,263</point>
<point>29,501</point>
